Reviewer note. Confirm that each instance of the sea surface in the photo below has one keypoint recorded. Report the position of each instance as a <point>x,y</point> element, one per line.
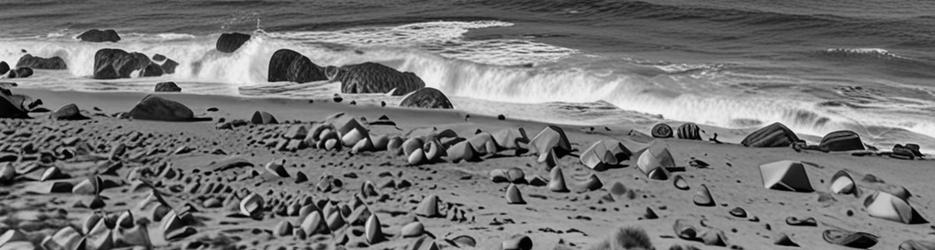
<point>815,65</point>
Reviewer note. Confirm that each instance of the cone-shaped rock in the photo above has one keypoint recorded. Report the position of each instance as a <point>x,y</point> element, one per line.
<point>680,183</point>
<point>413,229</point>
<point>513,196</point>
<point>887,206</point>
<point>703,197</point>
<point>428,207</point>
<point>372,230</point>
<point>655,162</point>
<point>557,181</point>
<point>314,223</point>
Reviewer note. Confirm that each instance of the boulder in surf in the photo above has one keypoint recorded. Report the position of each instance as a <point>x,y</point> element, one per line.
<point>35,62</point>
<point>167,87</point>
<point>117,63</point>
<point>289,66</point>
<point>430,98</point>
<point>230,42</point>
<point>99,36</point>
<point>774,135</point>
<point>372,77</point>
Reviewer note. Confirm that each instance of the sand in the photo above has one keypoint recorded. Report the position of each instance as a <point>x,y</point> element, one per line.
<point>471,203</point>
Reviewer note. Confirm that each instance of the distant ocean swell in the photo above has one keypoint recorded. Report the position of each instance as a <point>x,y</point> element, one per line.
<point>502,70</point>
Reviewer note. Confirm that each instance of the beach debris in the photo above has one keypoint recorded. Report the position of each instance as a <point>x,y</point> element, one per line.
<point>413,229</point>
<point>843,183</point>
<point>604,154</point>
<point>689,131</point>
<point>551,138</point>
<point>661,130</point>
<point>842,140</point>
<point>263,117</point>
<point>771,136</point>
<point>517,242</point>
<point>428,207</point>
<point>786,176</point>
<point>655,161</point>
<point>703,197</point>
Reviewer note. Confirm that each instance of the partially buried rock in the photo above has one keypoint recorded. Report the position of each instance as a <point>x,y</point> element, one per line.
<point>96,35</point>
<point>252,206</point>
<point>290,66</point>
<point>23,72</point>
<point>851,239</point>
<point>167,87</point>
<point>917,245</point>
<point>703,197</point>
<point>557,181</point>
<point>843,140</point>
<point>427,98</point>
<point>230,42</point>
<point>69,112</point>
<point>413,229</point>
<point>374,78</point>
<point>513,196</point>
<point>774,135</point>
<point>35,62</point>
<point>262,117</point>
<point>4,67</point>
<point>11,106</point>
<point>519,242</point>
<point>160,109</point>
<point>117,63</point>
<point>428,207</point>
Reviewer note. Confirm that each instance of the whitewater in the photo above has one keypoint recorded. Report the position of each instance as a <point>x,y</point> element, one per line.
<point>517,76</point>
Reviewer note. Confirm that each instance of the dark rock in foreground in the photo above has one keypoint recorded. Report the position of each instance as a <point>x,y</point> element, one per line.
<point>69,112</point>
<point>427,98</point>
<point>11,105</point>
<point>4,68</point>
<point>116,63</point>
<point>230,42</point>
<point>774,135</point>
<point>290,66</point>
<point>35,62</point>
<point>160,109</point>
<point>374,78</point>
<point>20,73</point>
<point>99,36</point>
<point>167,87</point>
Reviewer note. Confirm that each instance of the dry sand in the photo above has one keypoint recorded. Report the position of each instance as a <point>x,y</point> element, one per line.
<point>471,204</point>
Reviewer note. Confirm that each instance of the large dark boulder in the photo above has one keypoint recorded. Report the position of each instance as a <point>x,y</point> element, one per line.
<point>375,78</point>
<point>35,62</point>
<point>116,63</point>
<point>167,87</point>
<point>152,69</point>
<point>842,140</point>
<point>160,109</point>
<point>290,66</point>
<point>230,42</point>
<point>20,73</point>
<point>69,112</point>
<point>427,98</point>
<point>169,66</point>
<point>4,68</point>
<point>99,36</point>
<point>11,106</point>
<point>774,135</point>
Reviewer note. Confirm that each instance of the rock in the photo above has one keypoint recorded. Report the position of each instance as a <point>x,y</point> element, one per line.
<point>428,207</point>
<point>786,176</point>
<point>886,206</point>
<point>557,181</point>
<point>513,196</point>
<point>262,117</point>
<point>662,130</point>
<point>373,231</point>
<point>591,184</point>
<point>52,63</point>
<point>284,228</point>
<point>483,144</point>
<point>230,42</point>
<point>69,112</point>
<point>169,66</point>
<point>296,132</point>
<point>805,222</point>
<point>417,157</point>
<point>99,36</point>
<point>851,239</point>
<point>464,241</point>
<point>11,106</point>
<point>842,140</point>
<point>738,212</point>
<point>7,174</point>
<point>12,235</point>
<point>519,242</point>
<point>374,78</point>
<point>713,237</point>
<point>655,162</point>
<point>551,138</point>
<point>252,206</point>
<point>116,63</point>
<point>65,238</point>
<point>604,154</point>
<point>314,223</point>
<point>413,229</point>
<point>689,131</point>
<point>912,245</point>
<point>4,67</point>
<point>843,183</point>
<point>426,98</point>
<point>99,237</point>
<point>20,73</point>
<point>510,138</point>
<point>167,87</point>
<point>335,221</point>
<point>783,239</point>
<point>703,197</point>
<point>680,183</point>
<point>290,66</point>
<point>774,135</point>
<point>156,108</point>
<point>276,168</point>
<point>88,186</point>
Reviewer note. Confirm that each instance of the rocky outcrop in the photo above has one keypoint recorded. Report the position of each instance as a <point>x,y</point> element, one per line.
<point>99,36</point>
<point>35,62</point>
<point>20,73</point>
<point>374,78</point>
<point>230,42</point>
<point>116,63</point>
<point>427,98</point>
<point>289,66</point>
<point>167,87</point>
<point>160,109</point>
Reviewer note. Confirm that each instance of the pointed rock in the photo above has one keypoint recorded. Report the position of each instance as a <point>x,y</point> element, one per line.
<point>591,184</point>
<point>557,181</point>
<point>413,229</point>
<point>284,228</point>
<point>276,168</point>
<point>373,230</point>
<point>519,242</point>
<point>680,183</point>
<point>252,206</point>
<point>428,207</point>
<point>703,197</point>
<point>262,117</point>
<point>513,196</point>
<point>314,223</point>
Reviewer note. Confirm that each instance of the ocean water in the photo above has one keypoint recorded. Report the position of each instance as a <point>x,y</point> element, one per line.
<point>815,65</point>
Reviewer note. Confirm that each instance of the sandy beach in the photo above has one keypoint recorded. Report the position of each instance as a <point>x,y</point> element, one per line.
<point>238,187</point>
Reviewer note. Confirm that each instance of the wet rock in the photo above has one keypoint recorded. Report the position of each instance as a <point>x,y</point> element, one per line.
<point>374,78</point>
<point>98,36</point>
<point>35,62</point>
<point>167,87</point>
<point>290,66</point>
<point>230,42</point>
<point>427,98</point>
